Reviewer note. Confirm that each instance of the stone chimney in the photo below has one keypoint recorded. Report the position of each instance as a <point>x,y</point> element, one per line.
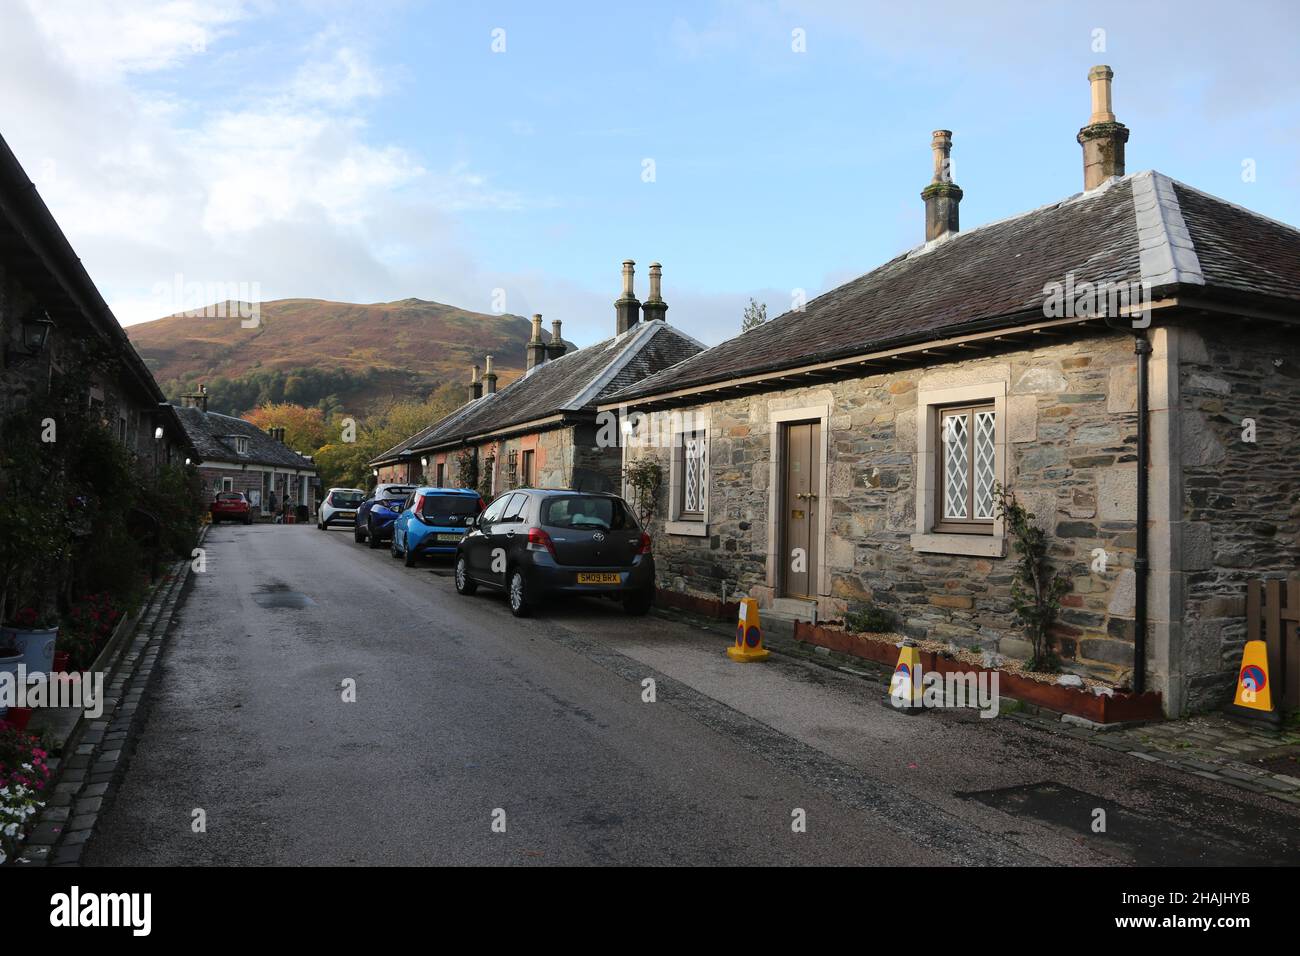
<point>1104,137</point>
<point>627,309</point>
<point>197,399</point>
<point>489,378</point>
<point>655,308</point>
<point>475,386</point>
<point>535,351</point>
<point>555,348</point>
<point>943,196</point>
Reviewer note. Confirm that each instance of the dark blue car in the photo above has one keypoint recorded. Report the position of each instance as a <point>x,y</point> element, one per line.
<point>377,513</point>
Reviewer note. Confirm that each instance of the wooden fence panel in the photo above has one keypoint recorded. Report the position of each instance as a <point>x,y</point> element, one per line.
<point>1273,616</point>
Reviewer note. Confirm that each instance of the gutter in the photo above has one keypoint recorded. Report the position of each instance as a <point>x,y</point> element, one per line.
<point>1141,562</point>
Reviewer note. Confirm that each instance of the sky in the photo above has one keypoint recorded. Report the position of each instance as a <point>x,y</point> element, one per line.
<point>509,156</point>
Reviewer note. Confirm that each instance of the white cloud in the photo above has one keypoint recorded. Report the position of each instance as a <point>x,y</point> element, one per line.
<point>105,38</point>
<point>283,185</point>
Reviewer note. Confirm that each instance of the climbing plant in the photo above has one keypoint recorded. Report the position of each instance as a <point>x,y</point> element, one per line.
<point>643,476</point>
<point>1036,590</point>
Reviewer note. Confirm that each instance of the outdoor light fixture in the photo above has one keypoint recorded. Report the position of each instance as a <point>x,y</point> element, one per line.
<point>36,335</point>
<point>424,462</point>
<point>375,472</point>
<point>187,462</point>
<point>158,432</point>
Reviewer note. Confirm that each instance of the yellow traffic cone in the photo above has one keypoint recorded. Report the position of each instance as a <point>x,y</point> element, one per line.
<point>1254,698</point>
<point>749,634</point>
<point>905,691</point>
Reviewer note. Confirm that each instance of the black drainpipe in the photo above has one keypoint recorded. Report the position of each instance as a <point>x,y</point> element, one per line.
<point>1141,348</point>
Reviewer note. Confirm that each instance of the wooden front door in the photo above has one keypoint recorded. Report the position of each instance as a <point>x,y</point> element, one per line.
<point>800,508</point>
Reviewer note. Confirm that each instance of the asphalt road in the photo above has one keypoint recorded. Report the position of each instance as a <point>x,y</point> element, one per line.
<point>465,717</point>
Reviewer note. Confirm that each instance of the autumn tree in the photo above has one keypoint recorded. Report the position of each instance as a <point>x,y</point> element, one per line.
<point>305,429</point>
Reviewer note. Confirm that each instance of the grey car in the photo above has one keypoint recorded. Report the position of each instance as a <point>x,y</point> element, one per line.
<point>536,543</point>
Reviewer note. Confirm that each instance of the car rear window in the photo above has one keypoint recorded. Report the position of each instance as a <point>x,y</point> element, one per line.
<point>445,507</point>
<point>347,499</point>
<point>230,496</point>
<point>585,511</point>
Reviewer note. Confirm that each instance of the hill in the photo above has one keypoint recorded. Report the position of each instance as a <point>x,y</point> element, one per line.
<point>336,354</point>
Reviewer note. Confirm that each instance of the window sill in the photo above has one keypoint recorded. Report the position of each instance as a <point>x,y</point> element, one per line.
<point>978,545</point>
<point>697,529</point>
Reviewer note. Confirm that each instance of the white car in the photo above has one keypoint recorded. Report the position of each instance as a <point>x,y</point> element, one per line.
<point>339,507</point>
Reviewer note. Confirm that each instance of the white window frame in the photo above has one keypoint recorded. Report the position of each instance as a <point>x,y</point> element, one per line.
<point>695,523</point>
<point>241,445</point>
<point>227,484</point>
<point>930,406</point>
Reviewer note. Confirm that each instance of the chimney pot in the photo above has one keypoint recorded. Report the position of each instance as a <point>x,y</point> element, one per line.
<point>942,197</point>
<point>535,351</point>
<point>555,348</point>
<point>489,377</point>
<point>475,386</point>
<point>627,310</point>
<point>1104,137</point>
<point>655,309</point>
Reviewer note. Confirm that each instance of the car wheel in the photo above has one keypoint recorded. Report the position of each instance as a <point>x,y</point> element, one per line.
<point>392,547</point>
<point>372,539</point>
<point>464,583</point>
<point>517,593</point>
<point>358,535</point>
<point>248,519</point>
<point>637,603</point>
<point>408,556</point>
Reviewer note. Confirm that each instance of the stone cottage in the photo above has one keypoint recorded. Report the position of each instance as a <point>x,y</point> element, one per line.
<point>236,455</point>
<point>51,312</point>
<point>1125,361</point>
<point>541,430</point>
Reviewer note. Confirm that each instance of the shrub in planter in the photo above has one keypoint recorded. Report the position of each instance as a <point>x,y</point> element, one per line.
<point>34,635</point>
<point>869,619</point>
<point>10,658</point>
<point>24,773</point>
<point>90,622</point>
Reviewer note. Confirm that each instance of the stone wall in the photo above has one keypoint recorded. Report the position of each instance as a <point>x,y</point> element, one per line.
<point>562,458</point>
<point>1241,498</point>
<point>1070,458</point>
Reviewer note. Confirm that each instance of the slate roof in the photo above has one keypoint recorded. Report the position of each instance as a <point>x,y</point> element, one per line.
<point>212,435</point>
<point>571,383</point>
<point>1139,227</point>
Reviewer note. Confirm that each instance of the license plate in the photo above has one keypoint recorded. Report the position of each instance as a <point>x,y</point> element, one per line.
<point>587,577</point>
<point>346,514</point>
<point>449,537</point>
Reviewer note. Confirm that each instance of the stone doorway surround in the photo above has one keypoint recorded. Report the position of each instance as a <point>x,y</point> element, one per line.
<point>776,418</point>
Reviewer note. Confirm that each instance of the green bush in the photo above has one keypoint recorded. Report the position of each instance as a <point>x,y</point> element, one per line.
<point>867,618</point>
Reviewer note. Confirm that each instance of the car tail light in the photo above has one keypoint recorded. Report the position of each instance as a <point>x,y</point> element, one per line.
<point>643,546</point>
<point>539,540</point>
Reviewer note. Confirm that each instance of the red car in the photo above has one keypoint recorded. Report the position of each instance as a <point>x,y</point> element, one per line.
<point>231,506</point>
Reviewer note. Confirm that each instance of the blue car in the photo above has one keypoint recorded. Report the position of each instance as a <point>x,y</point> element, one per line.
<point>375,517</point>
<point>433,522</point>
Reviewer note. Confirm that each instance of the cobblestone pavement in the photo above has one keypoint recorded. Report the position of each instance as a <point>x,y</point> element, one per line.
<point>90,768</point>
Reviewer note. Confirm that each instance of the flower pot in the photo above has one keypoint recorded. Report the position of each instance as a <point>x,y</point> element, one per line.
<point>9,664</point>
<point>37,645</point>
<point>62,659</point>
